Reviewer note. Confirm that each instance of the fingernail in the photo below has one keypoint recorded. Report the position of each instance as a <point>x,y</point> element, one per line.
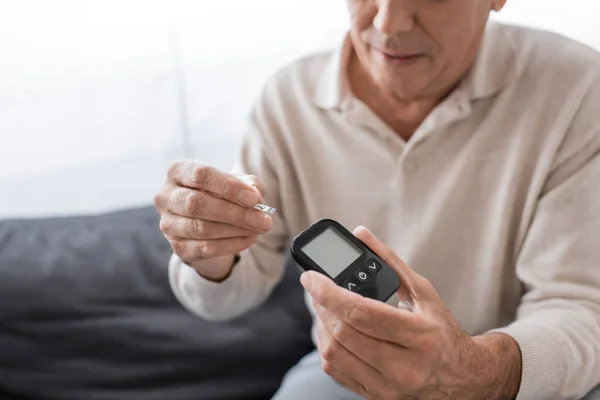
<point>266,223</point>
<point>249,198</point>
<point>306,281</point>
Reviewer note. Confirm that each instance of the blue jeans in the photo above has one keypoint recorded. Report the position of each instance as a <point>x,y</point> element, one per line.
<point>306,381</point>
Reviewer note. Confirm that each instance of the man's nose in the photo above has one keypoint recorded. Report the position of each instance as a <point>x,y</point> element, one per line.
<point>395,17</point>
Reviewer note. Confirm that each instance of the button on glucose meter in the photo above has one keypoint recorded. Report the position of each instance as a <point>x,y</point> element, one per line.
<point>362,275</point>
<point>351,285</point>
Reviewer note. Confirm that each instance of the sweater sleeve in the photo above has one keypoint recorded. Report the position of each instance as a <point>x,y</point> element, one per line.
<point>558,321</point>
<point>260,267</point>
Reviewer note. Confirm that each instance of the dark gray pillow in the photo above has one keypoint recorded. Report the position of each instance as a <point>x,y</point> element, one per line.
<point>86,312</point>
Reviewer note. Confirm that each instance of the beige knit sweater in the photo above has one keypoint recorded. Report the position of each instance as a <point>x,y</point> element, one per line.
<point>495,198</point>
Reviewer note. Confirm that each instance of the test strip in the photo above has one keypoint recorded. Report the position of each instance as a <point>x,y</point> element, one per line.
<point>267,209</point>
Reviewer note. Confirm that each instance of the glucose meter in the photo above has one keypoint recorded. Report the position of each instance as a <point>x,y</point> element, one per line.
<point>329,248</point>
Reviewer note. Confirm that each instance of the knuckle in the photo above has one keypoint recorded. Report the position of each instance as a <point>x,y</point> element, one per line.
<point>204,249</point>
<point>194,226</point>
<point>174,168</point>
<point>210,248</point>
<point>329,352</point>
<point>197,251</point>
<point>202,173</point>
<point>160,199</point>
<point>178,198</point>
<point>327,367</point>
<point>179,247</point>
<point>340,331</point>
<point>190,202</point>
<point>201,199</point>
<point>358,314</point>
<point>165,226</point>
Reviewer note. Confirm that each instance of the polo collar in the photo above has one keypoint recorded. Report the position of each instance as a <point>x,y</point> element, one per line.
<point>496,66</point>
<point>332,87</point>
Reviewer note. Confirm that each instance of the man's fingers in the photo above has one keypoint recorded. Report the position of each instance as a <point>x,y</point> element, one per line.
<point>332,362</point>
<point>367,237</point>
<point>196,250</point>
<point>256,183</point>
<point>175,226</point>
<point>198,175</point>
<point>371,317</point>
<point>339,341</point>
<point>409,280</point>
<point>203,205</point>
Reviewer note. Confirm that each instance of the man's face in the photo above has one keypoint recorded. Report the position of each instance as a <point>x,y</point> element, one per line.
<point>418,48</point>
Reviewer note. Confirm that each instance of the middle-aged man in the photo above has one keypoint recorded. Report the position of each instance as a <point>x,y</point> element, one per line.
<point>471,150</point>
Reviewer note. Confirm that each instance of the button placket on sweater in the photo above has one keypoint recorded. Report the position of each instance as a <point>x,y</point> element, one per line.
<point>453,109</point>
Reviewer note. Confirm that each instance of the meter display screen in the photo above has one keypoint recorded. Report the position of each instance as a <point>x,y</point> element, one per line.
<point>332,251</point>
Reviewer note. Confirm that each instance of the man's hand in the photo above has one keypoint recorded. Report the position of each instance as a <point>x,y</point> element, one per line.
<point>207,216</point>
<point>383,352</point>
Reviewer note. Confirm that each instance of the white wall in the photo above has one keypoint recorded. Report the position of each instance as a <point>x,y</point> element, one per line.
<point>97,97</point>
<point>575,18</point>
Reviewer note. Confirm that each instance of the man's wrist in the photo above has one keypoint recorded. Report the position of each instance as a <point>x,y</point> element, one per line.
<point>218,269</point>
<point>499,360</point>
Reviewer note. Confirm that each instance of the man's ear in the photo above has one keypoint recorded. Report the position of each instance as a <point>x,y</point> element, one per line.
<point>498,5</point>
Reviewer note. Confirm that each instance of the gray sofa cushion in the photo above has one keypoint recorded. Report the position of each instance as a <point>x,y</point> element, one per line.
<point>86,312</point>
